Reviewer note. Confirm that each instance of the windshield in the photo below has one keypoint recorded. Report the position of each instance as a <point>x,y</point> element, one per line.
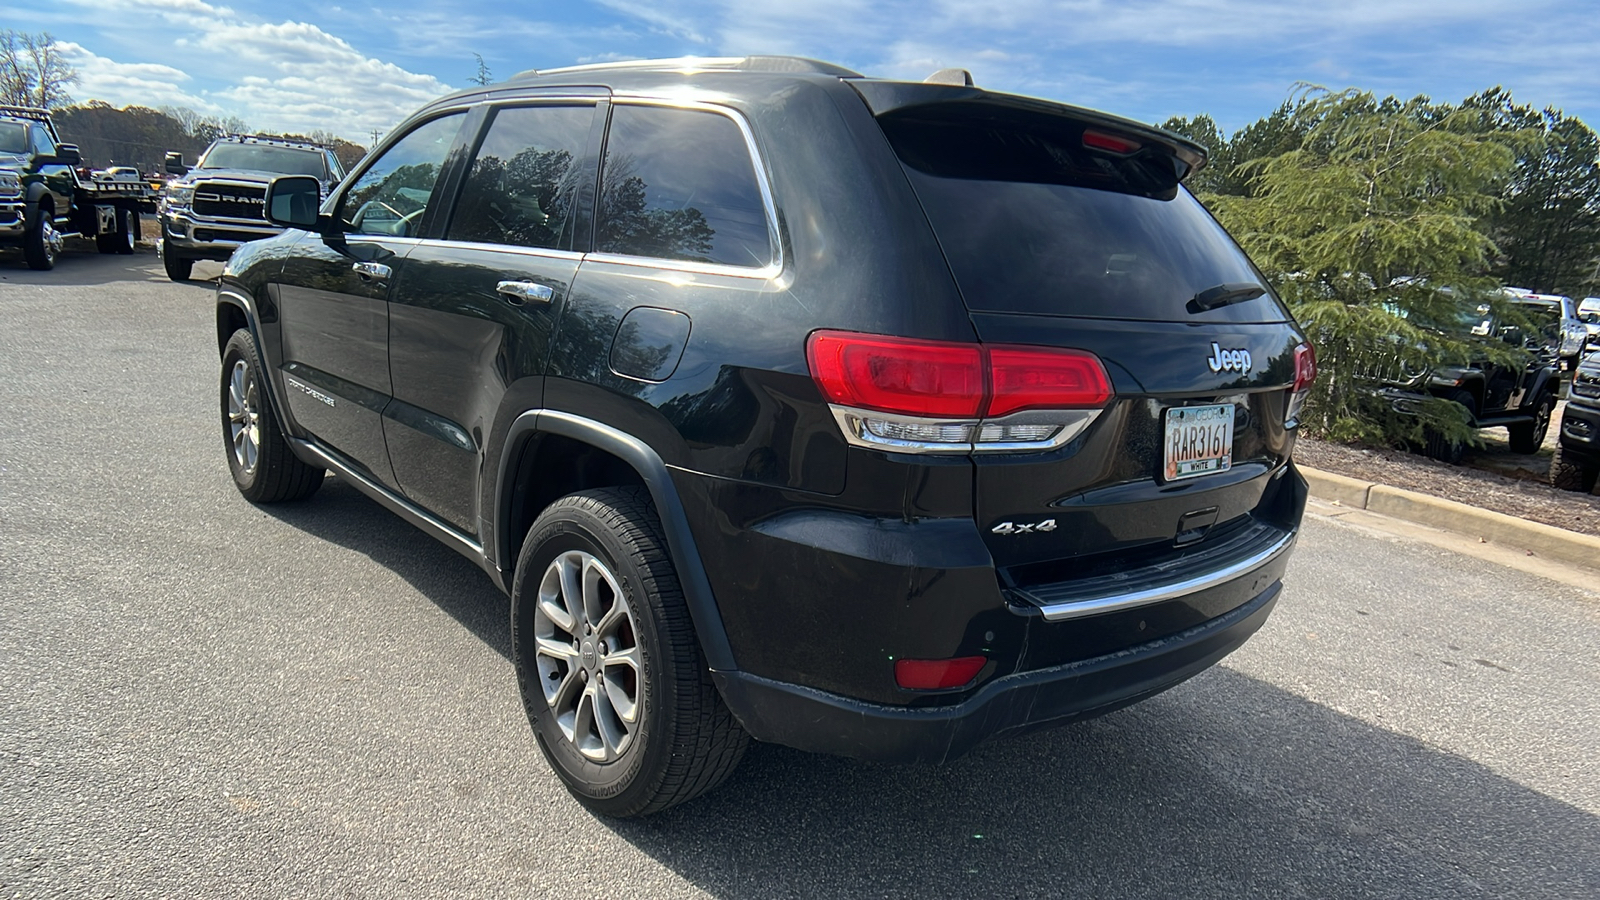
<point>1589,312</point>
<point>1033,219</point>
<point>266,158</point>
<point>13,137</point>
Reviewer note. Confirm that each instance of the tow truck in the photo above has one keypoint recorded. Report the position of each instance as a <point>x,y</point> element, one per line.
<point>44,200</point>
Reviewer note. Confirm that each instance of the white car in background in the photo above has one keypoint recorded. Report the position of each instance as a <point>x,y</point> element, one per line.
<point>1573,330</point>
<point>1589,315</point>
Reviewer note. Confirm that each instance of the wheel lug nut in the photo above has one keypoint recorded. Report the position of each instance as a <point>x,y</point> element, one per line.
<point>583,674</point>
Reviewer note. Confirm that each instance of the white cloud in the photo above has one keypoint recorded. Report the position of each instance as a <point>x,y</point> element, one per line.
<point>278,76</point>
<point>122,84</point>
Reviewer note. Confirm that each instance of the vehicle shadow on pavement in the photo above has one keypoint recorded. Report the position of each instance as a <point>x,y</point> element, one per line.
<point>1224,787</point>
<point>340,514</point>
<point>80,267</point>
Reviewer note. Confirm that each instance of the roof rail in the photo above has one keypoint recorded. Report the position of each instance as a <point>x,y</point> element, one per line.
<point>796,64</point>
<point>25,112</point>
<point>274,139</point>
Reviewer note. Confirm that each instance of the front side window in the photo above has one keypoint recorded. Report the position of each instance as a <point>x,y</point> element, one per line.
<point>392,195</point>
<point>525,179</point>
<point>42,144</point>
<point>679,184</point>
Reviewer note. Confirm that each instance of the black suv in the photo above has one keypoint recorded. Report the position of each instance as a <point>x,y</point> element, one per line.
<point>1517,394</point>
<point>868,417</point>
<point>1575,466</point>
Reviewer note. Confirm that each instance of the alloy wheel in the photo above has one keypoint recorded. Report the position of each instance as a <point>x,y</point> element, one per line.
<point>244,417</point>
<point>587,654</point>
<point>52,240</point>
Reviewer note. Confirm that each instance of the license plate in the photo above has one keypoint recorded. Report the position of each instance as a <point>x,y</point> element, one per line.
<point>1199,440</point>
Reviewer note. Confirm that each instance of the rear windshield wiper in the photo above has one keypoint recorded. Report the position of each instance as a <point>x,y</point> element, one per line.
<point>1225,295</point>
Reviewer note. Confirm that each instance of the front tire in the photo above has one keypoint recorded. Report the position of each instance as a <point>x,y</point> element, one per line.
<point>1437,446</point>
<point>264,469</point>
<point>1529,437</point>
<point>178,268</point>
<point>615,686</point>
<point>41,246</point>
<point>1570,474</point>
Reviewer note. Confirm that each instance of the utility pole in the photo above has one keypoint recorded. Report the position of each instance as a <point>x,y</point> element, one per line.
<point>376,133</point>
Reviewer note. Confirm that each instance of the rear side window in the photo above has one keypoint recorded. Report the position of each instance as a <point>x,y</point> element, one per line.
<point>523,183</point>
<point>1035,218</point>
<point>679,184</point>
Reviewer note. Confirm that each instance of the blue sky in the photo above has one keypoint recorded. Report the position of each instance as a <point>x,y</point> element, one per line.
<point>349,68</point>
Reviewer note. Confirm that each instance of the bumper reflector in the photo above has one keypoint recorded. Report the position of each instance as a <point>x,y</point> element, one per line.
<point>937,674</point>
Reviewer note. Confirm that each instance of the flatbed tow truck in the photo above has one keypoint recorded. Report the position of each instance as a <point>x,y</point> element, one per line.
<point>43,199</point>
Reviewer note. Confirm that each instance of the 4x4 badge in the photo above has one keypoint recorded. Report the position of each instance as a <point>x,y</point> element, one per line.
<point>1013,528</point>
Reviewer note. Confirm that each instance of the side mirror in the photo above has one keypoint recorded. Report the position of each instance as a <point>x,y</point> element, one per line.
<point>292,201</point>
<point>173,163</point>
<point>68,155</point>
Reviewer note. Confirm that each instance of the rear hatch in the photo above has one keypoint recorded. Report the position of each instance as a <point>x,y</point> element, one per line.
<point>1068,228</point>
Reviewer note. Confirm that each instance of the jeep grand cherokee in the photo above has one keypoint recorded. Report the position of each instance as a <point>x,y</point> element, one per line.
<point>868,417</point>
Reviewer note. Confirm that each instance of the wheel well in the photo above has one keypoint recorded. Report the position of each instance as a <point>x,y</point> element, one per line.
<point>552,466</point>
<point>230,318</point>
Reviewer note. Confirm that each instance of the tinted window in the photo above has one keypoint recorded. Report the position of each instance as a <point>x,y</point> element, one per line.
<point>266,158</point>
<point>13,137</point>
<point>522,184</point>
<point>1034,221</point>
<point>680,184</point>
<point>42,144</point>
<point>391,196</point>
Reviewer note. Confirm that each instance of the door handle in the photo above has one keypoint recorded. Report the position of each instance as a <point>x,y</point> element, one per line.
<point>373,270</point>
<point>522,291</point>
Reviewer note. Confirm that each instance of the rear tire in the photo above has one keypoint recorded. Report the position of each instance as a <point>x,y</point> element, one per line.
<point>264,468</point>
<point>178,269</point>
<point>1529,437</point>
<point>601,633</point>
<point>123,237</point>
<point>1570,474</point>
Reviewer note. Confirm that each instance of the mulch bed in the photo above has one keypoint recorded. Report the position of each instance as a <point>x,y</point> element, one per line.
<point>1525,498</point>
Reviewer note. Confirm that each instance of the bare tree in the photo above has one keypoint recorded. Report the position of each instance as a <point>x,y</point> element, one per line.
<point>32,70</point>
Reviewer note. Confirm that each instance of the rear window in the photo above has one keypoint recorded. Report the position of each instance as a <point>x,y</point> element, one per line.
<point>1034,221</point>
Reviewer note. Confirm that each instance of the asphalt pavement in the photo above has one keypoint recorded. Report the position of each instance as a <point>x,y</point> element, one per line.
<point>202,698</point>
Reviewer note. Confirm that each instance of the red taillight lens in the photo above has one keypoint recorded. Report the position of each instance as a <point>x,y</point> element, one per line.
<point>1305,367</point>
<point>1115,143</point>
<point>953,380</point>
<point>935,674</point>
<point>1040,378</point>
<point>930,378</point>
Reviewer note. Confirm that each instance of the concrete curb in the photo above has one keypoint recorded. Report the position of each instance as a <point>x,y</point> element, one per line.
<point>1423,509</point>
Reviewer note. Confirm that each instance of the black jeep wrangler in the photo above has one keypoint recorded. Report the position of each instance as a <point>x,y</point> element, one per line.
<point>868,417</point>
<point>1518,395</point>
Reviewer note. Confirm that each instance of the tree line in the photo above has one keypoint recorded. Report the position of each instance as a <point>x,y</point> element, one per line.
<point>1384,222</point>
<point>141,137</point>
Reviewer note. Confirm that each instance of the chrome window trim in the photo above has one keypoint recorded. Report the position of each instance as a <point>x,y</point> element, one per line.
<point>763,184</point>
<point>517,249</point>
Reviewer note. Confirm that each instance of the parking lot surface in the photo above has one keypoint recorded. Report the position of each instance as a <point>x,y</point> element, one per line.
<point>203,698</point>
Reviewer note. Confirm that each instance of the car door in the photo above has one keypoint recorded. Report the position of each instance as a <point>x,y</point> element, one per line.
<point>57,176</point>
<point>471,316</point>
<point>334,290</point>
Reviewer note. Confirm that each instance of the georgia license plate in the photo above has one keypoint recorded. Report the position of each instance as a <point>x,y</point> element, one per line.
<point>1199,440</point>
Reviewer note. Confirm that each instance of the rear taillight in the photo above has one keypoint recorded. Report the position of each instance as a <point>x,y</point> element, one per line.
<point>1305,372</point>
<point>947,397</point>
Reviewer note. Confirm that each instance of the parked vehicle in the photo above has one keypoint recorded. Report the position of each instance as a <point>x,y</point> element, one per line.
<point>1576,461</point>
<point>1519,396</point>
<point>208,211</point>
<point>1589,315</point>
<point>44,200</point>
<point>867,417</point>
<point>1564,328</point>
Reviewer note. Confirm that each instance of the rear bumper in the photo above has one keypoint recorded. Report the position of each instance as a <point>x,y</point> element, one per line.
<point>822,722</point>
